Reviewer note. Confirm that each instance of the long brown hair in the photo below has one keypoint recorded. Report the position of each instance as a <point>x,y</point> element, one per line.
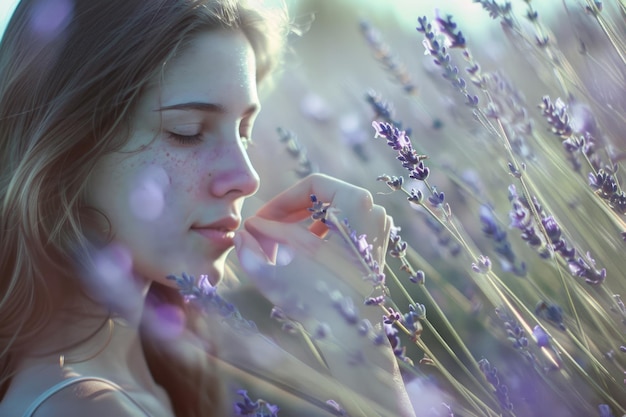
<point>71,72</point>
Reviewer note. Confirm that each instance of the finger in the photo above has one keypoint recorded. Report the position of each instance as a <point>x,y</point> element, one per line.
<point>259,269</point>
<point>272,234</point>
<point>251,254</point>
<point>292,204</point>
<point>374,225</point>
<point>319,229</point>
<point>334,257</point>
<point>385,240</point>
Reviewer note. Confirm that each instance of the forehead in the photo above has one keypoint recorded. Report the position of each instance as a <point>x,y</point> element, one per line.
<point>216,66</point>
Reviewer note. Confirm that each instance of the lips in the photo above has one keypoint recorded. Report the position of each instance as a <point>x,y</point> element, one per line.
<point>220,233</point>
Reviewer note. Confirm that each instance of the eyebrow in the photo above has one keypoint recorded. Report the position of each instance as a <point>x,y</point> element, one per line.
<point>206,107</point>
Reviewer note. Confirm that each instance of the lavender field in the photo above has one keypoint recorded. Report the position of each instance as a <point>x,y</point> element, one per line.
<point>498,150</point>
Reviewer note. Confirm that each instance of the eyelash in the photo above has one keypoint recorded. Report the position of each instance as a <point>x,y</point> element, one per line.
<point>186,140</point>
<point>191,139</point>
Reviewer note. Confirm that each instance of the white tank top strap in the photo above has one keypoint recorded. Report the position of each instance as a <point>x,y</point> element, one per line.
<point>67,382</point>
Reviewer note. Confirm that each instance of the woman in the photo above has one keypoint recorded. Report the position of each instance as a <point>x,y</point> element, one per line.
<point>123,132</point>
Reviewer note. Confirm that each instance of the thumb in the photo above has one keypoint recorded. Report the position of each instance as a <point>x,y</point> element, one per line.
<point>260,269</point>
<point>252,257</point>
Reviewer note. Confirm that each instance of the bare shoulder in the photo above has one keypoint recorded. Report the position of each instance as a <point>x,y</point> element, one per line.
<point>90,399</point>
<point>83,398</point>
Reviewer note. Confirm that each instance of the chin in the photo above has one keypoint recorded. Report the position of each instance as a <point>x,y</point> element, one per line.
<point>214,269</point>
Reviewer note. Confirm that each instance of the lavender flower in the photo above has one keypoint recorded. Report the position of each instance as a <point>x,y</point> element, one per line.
<point>482,265</point>
<point>396,345</point>
<point>420,171</point>
<point>578,137</point>
<point>345,306</point>
<point>585,268</point>
<point>397,246</point>
<point>382,109</point>
<point>556,115</point>
<point>319,209</point>
<point>551,312</point>
<point>392,316</point>
<point>297,151</point>
<point>415,196</point>
<point>522,219</point>
<point>436,198</point>
<point>498,11</point>
<point>204,295</point>
<point>375,274</point>
<point>399,141</point>
<point>605,410</point>
<point>448,28</point>
<point>508,106</point>
<point>411,319</point>
<point>287,324</point>
<point>604,183</point>
<point>384,55</point>
<point>515,333</point>
<point>375,301</point>
<point>419,277</point>
<point>541,337</point>
<point>500,390</point>
<point>395,183</point>
<point>493,231</point>
<point>435,46</point>
<point>258,408</point>
<point>247,406</point>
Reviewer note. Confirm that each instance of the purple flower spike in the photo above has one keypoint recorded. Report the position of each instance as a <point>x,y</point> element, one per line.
<point>247,406</point>
<point>319,209</point>
<point>605,410</point>
<point>418,278</point>
<point>205,286</point>
<point>436,199</point>
<point>552,228</point>
<point>420,172</point>
<point>399,141</point>
<point>540,335</point>
<point>258,408</point>
<point>375,301</point>
<point>501,391</point>
<point>482,265</point>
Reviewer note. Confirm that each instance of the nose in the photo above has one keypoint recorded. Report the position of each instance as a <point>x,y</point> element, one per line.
<point>233,173</point>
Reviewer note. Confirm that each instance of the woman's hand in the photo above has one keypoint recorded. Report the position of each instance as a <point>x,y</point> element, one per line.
<point>297,264</point>
<point>317,279</point>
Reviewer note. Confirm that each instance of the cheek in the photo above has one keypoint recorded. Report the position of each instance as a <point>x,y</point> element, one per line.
<point>189,171</point>
<point>148,192</point>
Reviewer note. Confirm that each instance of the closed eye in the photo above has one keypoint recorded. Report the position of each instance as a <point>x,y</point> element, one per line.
<point>186,139</point>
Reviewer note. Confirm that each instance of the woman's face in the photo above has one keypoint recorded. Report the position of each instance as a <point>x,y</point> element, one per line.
<point>174,193</point>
